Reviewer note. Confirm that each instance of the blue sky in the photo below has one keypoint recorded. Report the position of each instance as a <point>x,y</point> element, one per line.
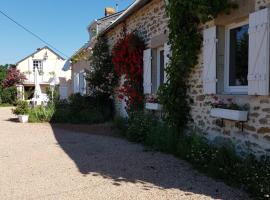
<point>60,22</point>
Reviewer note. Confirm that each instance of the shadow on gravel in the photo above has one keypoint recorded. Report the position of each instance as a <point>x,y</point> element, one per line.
<point>123,162</point>
<point>16,120</point>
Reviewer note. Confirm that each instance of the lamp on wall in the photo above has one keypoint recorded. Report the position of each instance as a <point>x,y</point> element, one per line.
<point>45,57</point>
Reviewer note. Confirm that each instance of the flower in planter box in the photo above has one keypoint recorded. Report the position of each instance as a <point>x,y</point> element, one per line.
<point>228,104</point>
<point>151,99</point>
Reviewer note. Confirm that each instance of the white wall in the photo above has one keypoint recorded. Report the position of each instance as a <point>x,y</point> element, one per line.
<point>53,64</point>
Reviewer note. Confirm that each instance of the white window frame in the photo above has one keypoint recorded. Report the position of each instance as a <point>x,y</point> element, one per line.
<point>82,83</point>
<point>227,88</point>
<point>40,64</point>
<point>158,65</point>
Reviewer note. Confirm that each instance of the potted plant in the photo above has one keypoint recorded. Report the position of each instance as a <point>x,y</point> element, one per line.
<point>152,103</point>
<point>22,111</point>
<point>229,110</point>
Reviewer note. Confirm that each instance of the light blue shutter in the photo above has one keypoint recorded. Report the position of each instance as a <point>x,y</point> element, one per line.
<point>210,60</point>
<point>147,65</point>
<point>258,69</point>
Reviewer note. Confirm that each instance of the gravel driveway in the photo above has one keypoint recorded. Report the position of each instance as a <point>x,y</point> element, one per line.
<point>38,161</point>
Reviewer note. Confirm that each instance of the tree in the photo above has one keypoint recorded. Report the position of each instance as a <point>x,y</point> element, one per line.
<point>13,77</point>
<point>101,78</point>
<point>3,73</point>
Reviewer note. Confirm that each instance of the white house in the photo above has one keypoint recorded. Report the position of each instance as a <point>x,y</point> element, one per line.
<point>49,66</point>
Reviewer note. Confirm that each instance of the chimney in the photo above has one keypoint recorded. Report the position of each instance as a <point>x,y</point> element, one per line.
<point>109,11</point>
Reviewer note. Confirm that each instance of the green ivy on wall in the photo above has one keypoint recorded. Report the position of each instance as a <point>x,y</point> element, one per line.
<point>185,19</point>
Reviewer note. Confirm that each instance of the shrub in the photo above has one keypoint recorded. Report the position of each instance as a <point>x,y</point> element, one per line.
<point>83,109</point>
<point>8,95</point>
<point>77,110</point>
<point>102,78</point>
<point>41,113</point>
<point>22,108</point>
<point>139,126</point>
<point>221,162</point>
<point>13,77</point>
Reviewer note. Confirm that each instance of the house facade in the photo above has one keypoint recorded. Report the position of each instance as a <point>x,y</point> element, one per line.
<point>50,71</point>
<point>233,67</point>
<point>149,19</point>
<point>80,63</point>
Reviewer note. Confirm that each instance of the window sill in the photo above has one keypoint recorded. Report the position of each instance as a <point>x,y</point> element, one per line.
<point>233,94</point>
<point>153,106</point>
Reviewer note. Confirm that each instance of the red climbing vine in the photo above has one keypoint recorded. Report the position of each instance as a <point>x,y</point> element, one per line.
<point>127,57</point>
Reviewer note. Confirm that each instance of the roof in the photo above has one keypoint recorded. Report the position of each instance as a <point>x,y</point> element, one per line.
<point>136,5</point>
<point>104,18</point>
<point>45,47</point>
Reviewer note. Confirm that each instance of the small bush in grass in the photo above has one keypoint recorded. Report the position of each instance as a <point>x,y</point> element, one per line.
<point>41,114</point>
<point>220,162</point>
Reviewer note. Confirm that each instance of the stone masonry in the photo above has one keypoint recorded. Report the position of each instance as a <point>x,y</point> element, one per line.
<point>150,21</point>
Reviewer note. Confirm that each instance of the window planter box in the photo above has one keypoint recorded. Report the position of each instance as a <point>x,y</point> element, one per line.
<point>235,115</point>
<point>153,106</point>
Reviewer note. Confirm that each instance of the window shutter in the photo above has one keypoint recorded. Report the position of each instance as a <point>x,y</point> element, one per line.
<point>76,83</point>
<point>84,83</point>
<point>210,60</point>
<point>81,82</point>
<point>258,69</point>
<point>167,54</point>
<point>147,63</point>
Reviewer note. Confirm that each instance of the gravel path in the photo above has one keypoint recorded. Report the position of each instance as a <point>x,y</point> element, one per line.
<point>38,161</point>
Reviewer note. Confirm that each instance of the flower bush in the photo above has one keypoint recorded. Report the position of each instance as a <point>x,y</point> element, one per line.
<point>151,99</point>
<point>13,77</point>
<point>127,57</point>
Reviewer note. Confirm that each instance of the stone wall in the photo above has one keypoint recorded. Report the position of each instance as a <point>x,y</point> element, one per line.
<point>256,135</point>
<point>151,21</point>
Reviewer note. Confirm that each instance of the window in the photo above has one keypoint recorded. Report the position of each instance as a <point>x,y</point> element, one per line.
<point>82,83</point>
<point>157,69</point>
<point>236,58</point>
<point>160,66</point>
<point>37,64</point>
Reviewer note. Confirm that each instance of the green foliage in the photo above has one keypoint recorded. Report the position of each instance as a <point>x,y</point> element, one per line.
<point>220,161</point>
<point>82,55</point>
<point>83,109</point>
<point>8,95</point>
<point>77,110</point>
<point>101,78</point>
<point>22,108</point>
<point>41,114</point>
<point>139,119</point>
<point>53,94</point>
<point>3,74</point>
<point>187,16</point>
